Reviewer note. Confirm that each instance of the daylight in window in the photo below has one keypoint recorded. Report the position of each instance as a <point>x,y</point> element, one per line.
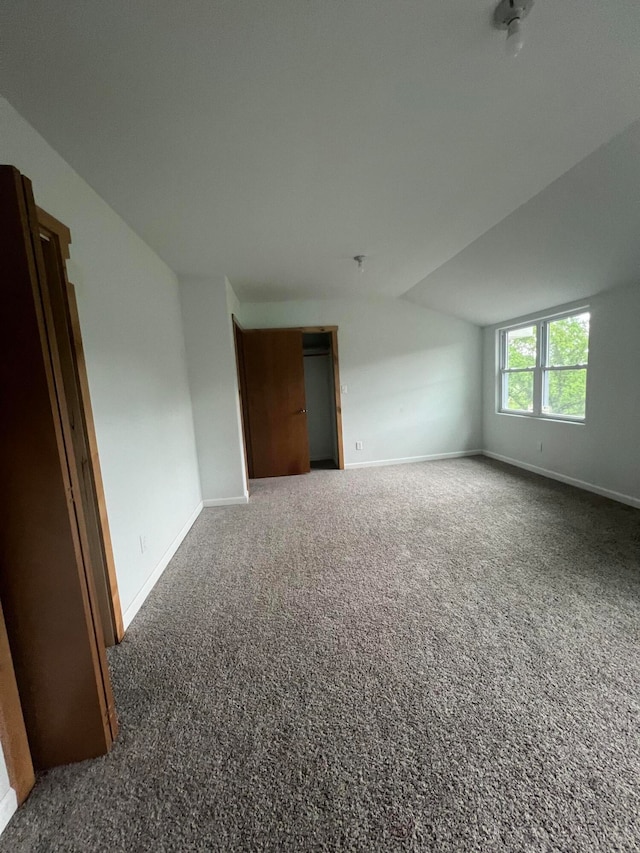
<point>543,367</point>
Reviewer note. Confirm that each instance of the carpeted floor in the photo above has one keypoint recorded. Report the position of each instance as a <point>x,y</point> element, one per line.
<point>437,657</point>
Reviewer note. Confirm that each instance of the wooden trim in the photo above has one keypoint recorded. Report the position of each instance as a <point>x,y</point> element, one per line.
<point>13,734</point>
<point>238,332</point>
<point>49,226</point>
<point>338,398</point>
<point>335,360</point>
<point>304,329</point>
<point>57,291</point>
<point>109,566</point>
<point>52,624</point>
<point>71,477</point>
<point>316,329</point>
<point>98,523</point>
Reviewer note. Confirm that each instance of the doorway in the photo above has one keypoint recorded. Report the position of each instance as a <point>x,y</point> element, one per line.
<point>320,401</point>
<point>290,398</point>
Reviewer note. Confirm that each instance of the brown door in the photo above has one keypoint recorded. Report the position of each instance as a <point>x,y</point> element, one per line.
<point>66,327</point>
<point>275,399</point>
<point>46,580</point>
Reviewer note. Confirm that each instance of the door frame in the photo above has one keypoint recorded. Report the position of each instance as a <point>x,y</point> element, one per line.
<point>335,359</point>
<point>56,701</point>
<point>238,331</point>
<point>337,393</point>
<point>103,564</point>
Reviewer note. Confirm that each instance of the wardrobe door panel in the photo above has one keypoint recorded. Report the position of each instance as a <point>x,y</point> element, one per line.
<point>46,589</point>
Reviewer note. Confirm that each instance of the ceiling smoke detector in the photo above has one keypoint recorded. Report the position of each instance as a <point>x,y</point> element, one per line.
<point>508,16</point>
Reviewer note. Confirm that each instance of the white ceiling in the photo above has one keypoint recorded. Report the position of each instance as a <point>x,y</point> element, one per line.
<point>577,237</point>
<point>272,141</point>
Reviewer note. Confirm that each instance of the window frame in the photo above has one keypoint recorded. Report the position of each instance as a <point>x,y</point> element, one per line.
<point>541,370</point>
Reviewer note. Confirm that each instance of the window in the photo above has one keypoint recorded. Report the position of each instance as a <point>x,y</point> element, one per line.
<point>543,367</point>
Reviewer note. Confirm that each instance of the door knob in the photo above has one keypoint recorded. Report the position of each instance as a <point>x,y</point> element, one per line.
<point>303,411</point>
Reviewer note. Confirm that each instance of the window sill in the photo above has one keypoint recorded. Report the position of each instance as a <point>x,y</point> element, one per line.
<point>551,418</point>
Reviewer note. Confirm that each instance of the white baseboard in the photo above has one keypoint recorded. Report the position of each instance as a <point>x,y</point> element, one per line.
<point>138,601</point>
<point>8,807</point>
<point>408,459</point>
<point>242,499</point>
<point>571,481</point>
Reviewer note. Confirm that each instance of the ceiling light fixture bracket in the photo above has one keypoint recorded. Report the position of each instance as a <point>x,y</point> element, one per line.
<point>508,16</point>
<point>508,11</point>
<point>359,259</point>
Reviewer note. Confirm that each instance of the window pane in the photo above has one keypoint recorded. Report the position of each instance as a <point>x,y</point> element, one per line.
<point>521,347</point>
<point>518,391</point>
<point>565,392</point>
<point>569,341</point>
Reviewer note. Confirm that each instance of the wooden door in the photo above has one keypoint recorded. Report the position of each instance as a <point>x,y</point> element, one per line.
<point>46,584</point>
<point>275,400</point>
<point>66,327</point>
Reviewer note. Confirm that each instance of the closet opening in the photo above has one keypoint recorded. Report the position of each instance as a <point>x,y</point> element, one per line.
<point>320,400</point>
<point>289,385</point>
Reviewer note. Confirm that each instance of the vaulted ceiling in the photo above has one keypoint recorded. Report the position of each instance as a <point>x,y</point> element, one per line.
<point>273,141</point>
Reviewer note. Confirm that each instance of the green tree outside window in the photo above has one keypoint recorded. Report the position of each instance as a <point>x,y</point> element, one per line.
<point>563,361</point>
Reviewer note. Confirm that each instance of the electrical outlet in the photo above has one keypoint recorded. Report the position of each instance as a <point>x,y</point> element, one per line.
<point>143,543</point>
<point>358,445</point>
<point>344,389</point>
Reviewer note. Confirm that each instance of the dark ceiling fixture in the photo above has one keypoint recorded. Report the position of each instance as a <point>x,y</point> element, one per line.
<point>508,16</point>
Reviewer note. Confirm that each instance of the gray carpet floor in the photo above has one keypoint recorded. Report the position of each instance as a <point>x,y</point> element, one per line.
<point>433,657</point>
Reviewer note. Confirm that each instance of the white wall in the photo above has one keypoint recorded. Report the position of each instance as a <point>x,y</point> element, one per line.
<point>207,305</point>
<point>4,778</point>
<point>603,452</point>
<point>8,802</point>
<point>132,329</point>
<point>413,375</point>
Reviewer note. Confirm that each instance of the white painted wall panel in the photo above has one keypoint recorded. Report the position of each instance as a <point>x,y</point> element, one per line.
<point>8,802</point>
<point>132,329</point>
<point>207,305</point>
<point>604,451</point>
<point>413,375</point>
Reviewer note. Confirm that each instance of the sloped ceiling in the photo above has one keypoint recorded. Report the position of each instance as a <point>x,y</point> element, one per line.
<point>273,141</point>
<point>577,237</point>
